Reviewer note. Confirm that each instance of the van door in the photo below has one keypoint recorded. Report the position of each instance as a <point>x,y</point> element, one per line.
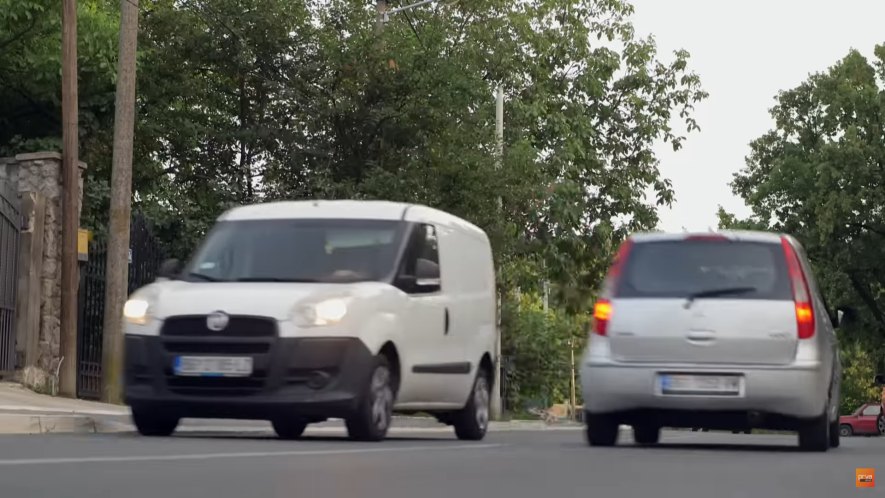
<point>427,354</point>
<point>705,300</point>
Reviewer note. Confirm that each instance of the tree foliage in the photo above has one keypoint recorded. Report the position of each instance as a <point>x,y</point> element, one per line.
<point>819,175</point>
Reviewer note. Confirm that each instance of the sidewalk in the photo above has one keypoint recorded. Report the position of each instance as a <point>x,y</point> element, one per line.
<point>25,412</point>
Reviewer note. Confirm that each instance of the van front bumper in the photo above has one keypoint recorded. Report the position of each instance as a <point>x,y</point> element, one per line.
<point>316,378</point>
<point>777,393</point>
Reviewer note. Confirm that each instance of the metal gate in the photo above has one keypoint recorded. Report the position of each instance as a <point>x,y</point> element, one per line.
<point>10,231</point>
<point>145,258</point>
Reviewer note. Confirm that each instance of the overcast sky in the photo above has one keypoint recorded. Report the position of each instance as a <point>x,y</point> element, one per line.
<point>744,52</point>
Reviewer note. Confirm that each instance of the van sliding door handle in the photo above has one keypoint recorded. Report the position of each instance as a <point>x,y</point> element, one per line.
<point>447,322</point>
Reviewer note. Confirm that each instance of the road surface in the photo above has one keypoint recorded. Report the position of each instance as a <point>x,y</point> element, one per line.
<point>548,464</point>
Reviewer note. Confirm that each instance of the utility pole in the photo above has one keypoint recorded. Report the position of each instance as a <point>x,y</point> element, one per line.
<point>70,203</point>
<point>499,137</point>
<point>117,272</point>
<point>381,11</point>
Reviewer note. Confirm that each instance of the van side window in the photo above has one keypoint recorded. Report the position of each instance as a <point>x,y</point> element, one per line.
<point>423,244</point>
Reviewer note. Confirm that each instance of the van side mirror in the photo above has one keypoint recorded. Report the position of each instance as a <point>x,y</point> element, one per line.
<point>880,380</point>
<point>170,269</point>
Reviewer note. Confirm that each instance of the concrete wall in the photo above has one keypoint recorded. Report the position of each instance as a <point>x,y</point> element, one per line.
<point>38,179</point>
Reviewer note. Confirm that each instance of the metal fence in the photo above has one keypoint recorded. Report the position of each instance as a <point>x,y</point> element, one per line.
<point>10,231</point>
<point>144,262</point>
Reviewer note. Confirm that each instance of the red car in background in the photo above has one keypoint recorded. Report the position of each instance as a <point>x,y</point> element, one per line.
<point>868,420</point>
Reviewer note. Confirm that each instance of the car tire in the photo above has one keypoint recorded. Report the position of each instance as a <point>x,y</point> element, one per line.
<point>374,413</point>
<point>835,434</point>
<point>289,428</point>
<point>881,425</point>
<point>845,430</point>
<point>472,422</point>
<point>153,424</point>
<point>814,435</point>
<point>601,429</point>
<point>646,434</point>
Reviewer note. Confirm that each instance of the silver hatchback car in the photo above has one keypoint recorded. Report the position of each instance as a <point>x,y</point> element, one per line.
<point>723,330</point>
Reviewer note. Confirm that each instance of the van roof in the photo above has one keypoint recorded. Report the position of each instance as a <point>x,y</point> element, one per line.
<point>349,209</point>
<point>742,235</point>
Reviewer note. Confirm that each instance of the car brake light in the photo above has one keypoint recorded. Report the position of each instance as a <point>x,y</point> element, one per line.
<point>801,292</point>
<point>602,310</point>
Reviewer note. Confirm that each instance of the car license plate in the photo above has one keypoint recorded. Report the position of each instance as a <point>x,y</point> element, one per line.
<point>213,366</point>
<point>716,385</point>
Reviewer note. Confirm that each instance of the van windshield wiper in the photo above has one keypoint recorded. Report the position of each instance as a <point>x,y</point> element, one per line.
<point>722,291</point>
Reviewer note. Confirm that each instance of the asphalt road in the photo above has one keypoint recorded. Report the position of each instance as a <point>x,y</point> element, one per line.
<point>548,464</point>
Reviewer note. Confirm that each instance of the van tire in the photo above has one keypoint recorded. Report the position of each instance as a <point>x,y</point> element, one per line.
<point>814,434</point>
<point>472,422</point>
<point>289,428</point>
<point>153,424</point>
<point>601,429</point>
<point>646,435</point>
<point>374,413</point>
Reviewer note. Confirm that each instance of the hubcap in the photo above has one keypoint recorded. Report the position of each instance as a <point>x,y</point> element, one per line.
<point>844,431</point>
<point>481,402</point>
<point>382,398</point>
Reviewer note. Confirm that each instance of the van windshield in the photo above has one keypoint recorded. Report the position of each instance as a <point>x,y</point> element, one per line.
<point>299,250</point>
<point>711,269</point>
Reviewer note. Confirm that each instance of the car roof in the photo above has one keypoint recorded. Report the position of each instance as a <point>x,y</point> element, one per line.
<point>344,209</point>
<point>735,235</point>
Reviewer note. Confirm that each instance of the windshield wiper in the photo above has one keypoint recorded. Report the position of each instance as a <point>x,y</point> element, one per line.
<point>202,276</point>
<point>723,291</point>
<point>276,279</point>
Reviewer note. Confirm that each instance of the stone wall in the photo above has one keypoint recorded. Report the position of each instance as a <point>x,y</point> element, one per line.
<point>40,173</point>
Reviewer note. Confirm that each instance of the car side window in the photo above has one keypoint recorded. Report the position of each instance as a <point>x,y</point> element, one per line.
<point>421,253</point>
<point>871,411</point>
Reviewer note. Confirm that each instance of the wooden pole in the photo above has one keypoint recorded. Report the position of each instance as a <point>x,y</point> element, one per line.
<point>117,271</point>
<point>70,216</point>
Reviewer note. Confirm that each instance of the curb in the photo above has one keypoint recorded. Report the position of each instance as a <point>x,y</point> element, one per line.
<point>47,424</point>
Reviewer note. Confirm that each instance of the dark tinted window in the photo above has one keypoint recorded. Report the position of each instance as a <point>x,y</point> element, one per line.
<point>298,250</point>
<point>682,268</point>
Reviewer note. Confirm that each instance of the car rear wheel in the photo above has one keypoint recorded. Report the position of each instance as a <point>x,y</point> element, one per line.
<point>814,435</point>
<point>153,424</point>
<point>289,428</point>
<point>645,434</point>
<point>371,420</point>
<point>835,434</point>
<point>472,422</point>
<point>845,430</point>
<point>602,430</point>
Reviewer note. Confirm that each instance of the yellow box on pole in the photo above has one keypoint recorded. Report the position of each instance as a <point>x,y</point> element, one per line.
<point>83,237</point>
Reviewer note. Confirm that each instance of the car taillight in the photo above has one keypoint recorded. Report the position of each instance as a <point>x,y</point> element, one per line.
<point>602,310</point>
<point>801,292</point>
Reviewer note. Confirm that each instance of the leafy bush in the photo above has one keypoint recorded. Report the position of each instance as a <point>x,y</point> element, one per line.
<point>858,370</point>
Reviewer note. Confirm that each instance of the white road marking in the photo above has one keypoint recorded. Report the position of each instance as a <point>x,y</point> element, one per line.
<point>217,456</point>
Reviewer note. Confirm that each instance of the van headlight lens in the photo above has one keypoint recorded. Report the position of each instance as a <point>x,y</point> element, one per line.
<point>135,311</point>
<point>326,312</point>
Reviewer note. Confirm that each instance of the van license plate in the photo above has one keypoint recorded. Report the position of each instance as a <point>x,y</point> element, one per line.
<point>716,385</point>
<point>213,366</point>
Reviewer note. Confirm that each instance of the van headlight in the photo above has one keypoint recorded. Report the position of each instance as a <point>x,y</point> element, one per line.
<point>326,312</point>
<point>136,311</point>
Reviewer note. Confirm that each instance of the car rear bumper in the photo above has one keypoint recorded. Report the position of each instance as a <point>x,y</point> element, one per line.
<point>797,392</point>
<point>316,378</point>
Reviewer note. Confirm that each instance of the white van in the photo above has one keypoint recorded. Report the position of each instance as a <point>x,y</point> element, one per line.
<point>296,312</point>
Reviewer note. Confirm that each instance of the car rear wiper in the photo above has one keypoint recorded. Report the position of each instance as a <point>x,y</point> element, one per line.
<point>723,291</point>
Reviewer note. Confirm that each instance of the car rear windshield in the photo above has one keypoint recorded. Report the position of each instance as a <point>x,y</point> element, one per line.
<point>720,269</point>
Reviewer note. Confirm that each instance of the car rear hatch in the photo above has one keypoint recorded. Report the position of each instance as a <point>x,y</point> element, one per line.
<point>707,299</point>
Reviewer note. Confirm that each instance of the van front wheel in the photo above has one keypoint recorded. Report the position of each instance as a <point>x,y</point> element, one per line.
<point>472,422</point>
<point>371,420</point>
